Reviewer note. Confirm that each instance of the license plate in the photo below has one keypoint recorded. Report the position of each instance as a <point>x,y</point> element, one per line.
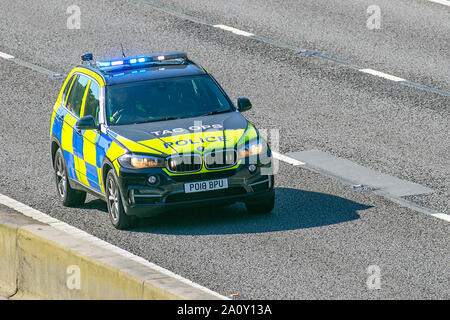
<point>208,185</point>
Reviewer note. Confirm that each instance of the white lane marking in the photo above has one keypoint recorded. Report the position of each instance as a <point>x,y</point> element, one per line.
<point>443,2</point>
<point>62,226</point>
<point>397,199</point>
<point>233,30</point>
<point>382,75</point>
<point>366,70</point>
<point>6,56</point>
<point>278,44</point>
<point>442,216</point>
<point>287,159</point>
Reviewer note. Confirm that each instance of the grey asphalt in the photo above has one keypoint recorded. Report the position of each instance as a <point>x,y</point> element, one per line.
<point>321,237</point>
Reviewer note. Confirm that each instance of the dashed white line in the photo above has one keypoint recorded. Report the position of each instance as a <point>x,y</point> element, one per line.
<point>6,56</point>
<point>442,216</point>
<point>368,71</point>
<point>399,200</point>
<point>382,75</point>
<point>233,30</point>
<point>443,2</point>
<point>287,159</point>
<point>51,74</point>
<point>298,50</point>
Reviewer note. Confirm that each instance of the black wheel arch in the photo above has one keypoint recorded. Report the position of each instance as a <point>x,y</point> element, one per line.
<point>54,146</point>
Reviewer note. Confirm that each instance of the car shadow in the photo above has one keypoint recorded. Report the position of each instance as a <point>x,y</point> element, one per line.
<point>96,204</point>
<point>294,209</point>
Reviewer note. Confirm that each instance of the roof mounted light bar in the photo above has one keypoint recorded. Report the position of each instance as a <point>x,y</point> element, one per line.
<point>132,61</point>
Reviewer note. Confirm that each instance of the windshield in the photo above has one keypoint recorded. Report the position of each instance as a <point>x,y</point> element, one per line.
<point>164,99</point>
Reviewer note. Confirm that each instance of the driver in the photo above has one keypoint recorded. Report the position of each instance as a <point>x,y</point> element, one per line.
<point>118,105</point>
<point>124,107</point>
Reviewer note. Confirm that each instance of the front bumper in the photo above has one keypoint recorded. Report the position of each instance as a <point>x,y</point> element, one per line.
<point>144,200</point>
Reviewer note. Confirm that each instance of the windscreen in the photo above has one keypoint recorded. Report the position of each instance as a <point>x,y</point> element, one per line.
<point>164,99</point>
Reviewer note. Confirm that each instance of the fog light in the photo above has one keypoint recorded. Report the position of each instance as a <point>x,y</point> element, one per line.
<point>252,168</point>
<point>152,179</point>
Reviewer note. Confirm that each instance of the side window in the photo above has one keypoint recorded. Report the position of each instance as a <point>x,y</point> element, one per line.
<point>66,90</point>
<point>92,105</point>
<point>75,98</point>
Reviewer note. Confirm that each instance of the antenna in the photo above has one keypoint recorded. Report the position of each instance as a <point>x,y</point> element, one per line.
<point>123,53</point>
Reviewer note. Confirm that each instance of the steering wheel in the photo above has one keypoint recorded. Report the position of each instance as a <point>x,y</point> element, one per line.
<point>117,115</point>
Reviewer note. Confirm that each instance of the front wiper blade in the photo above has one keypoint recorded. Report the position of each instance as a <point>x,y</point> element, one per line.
<point>156,120</point>
<point>215,112</point>
<point>166,119</point>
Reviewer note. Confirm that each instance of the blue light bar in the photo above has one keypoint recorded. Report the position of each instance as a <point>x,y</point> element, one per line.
<point>160,57</point>
<point>103,64</point>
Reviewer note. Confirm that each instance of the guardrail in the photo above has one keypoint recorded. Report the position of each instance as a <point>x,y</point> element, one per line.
<point>38,261</point>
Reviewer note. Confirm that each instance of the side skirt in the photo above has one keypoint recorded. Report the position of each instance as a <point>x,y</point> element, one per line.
<point>74,184</point>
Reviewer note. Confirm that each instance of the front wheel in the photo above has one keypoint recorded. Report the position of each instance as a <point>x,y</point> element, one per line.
<point>261,204</point>
<point>119,218</point>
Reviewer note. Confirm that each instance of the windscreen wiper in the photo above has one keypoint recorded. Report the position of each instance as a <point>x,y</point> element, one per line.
<point>215,112</point>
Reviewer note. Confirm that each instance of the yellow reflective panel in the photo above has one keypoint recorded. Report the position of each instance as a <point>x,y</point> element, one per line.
<point>80,167</point>
<point>90,73</point>
<point>116,166</point>
<point>58,100</point>
<point>249,134</point>
<point>83,103</point>
<point>136,147</point>
<point>67,133</point>
<point>56,106</point>
<point>100,180</point>
<point>114,151</point>
<point>51,122</point>
<point>89,147</point>
<point>187,143</point>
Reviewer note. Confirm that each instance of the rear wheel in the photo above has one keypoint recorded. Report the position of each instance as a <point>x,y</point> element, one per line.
<point>261,204</point>
<point>119,218</point>
<point>70,197</point>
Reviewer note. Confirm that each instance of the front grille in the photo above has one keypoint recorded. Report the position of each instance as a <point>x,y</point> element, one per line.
<point>185,163</point>
<point>205,195</point>
<point>220,159</point>
<point>204,176</point>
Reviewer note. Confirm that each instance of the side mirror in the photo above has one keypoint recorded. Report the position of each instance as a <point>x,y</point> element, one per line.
<point>86,123</point>
<point>243,104</point>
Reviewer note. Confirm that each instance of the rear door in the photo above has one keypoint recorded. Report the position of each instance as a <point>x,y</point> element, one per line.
<point>69,133</point>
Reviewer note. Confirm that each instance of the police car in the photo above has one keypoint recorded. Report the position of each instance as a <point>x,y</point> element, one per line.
<point>151,133</point>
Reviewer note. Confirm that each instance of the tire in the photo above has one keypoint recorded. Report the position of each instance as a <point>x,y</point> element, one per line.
<point>70,197</point>
<point>261,204</point>
<point>119,219</point>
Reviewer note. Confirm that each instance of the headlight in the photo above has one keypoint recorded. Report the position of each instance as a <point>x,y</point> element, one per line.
<point>253,149</point>
<point>135,161</point>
